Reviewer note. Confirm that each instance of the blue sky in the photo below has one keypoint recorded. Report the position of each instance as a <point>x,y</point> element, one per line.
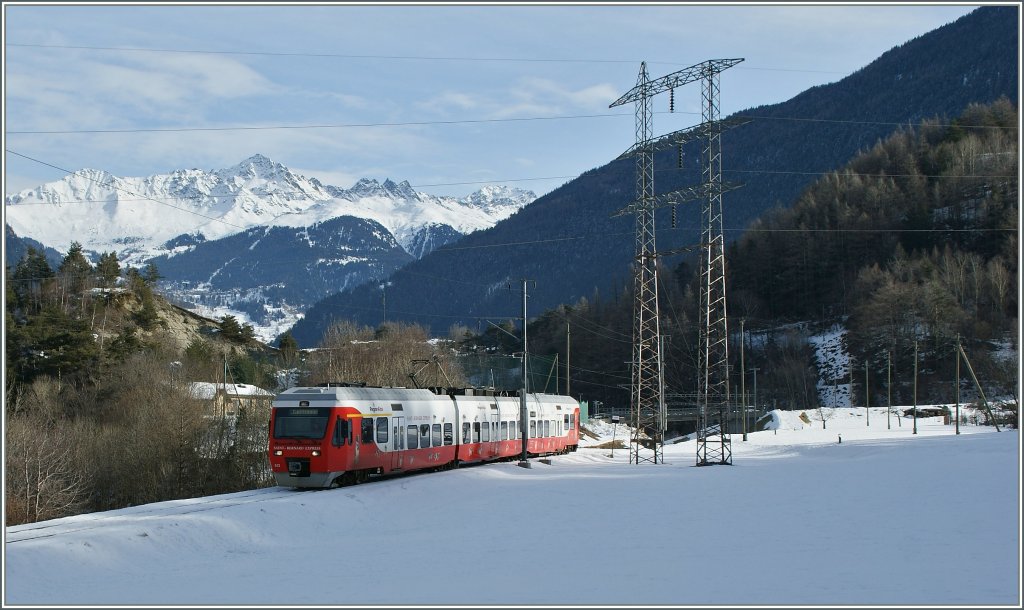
<point>446,97</point>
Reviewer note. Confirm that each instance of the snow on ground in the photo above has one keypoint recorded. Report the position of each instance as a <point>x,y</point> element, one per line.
<point>885,517</point>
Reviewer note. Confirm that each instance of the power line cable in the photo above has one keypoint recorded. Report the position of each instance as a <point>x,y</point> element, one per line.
<point>323,126</point>
<point>584,321</point>
<point>468,122</point>
<point>402,57</point>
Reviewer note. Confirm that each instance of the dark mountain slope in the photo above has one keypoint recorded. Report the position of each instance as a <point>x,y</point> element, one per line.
<point>15,247</point>
<point>289,264</point>
<point>571,245</point>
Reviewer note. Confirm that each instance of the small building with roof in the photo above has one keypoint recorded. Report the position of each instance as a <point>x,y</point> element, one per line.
<point>225,399</point>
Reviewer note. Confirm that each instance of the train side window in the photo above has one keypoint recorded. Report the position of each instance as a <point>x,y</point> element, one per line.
<point>485,431</point>
<point>382,430</point>
<point>513,430</point>
<point>340,432</point>
<point>533,429</point>
<point>367,429</point>
<point>465,433</point>
<point>435,435</point>
<point>448,434</point>
<point>476,432</point>
<point>504,431</point>
<point>566,422</point>
<point>424,435</point>
<point>411,437</point>
<point>547,427</point>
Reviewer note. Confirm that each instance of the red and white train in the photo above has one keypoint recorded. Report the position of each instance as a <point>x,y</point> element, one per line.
<point>341,434</point>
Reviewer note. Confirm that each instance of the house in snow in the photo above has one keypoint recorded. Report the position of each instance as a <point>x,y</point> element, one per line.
<point>225,399</point>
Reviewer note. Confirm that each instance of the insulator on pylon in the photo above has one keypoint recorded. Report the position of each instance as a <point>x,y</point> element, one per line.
<point>673,217</point>
<point>680,156</point>
<point>671,100</point>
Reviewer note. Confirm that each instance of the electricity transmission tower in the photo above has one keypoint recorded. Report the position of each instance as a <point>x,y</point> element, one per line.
<point>647,392</point>
<point>714,446</point>
<point>646,396</point>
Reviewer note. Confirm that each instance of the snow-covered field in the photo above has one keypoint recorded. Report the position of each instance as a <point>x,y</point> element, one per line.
<point>885,517</point>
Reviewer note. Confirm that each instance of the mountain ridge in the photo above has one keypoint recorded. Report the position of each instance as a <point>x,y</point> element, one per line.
<point>249,240</point>
<point>570,243</point>
<point>107,212</point>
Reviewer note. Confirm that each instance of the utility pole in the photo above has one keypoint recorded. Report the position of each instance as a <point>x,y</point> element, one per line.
<point>755,369</point>
<point>850,393</point>
<point>888,387</point>
<point>661,383</point>
<point>743,378</point>
<point>224,409</point>
<point>867,395</point>
<point>567,350</point>
<point>384,301</point>
<point>956,355</point>
<point>977,385</point>
<point>524,414</point>
<point>915,387</point>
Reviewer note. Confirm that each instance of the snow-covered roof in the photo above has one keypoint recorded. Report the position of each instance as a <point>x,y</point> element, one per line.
<point>207,391</point>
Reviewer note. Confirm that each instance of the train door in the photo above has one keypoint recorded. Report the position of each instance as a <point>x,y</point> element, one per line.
<point>398,442</point>
<point>494,423</point>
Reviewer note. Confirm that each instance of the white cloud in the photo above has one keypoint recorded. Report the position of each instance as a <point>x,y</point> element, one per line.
<point>68,89</point>
<point>452,100</point>
<point>95,94</point>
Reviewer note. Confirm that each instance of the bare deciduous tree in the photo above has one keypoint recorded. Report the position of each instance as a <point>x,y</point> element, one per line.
<point>386,357</point>
<point>45,475</point>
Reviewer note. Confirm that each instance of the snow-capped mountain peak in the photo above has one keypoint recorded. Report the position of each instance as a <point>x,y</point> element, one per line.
<point>137,216</point>
<point>356,234</point>
<point>493,197</point>
<point>257,166</point>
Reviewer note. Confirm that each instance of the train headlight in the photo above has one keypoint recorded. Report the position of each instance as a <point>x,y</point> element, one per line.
<point>278,452</point>
<point>315,453</point>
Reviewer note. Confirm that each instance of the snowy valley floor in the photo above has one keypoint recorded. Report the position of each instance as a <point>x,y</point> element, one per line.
<point>885,517</point>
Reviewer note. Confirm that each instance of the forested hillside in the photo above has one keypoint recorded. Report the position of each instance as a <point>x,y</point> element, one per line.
<point>914,240</point>
<point>98,409</point>
<point>934,188</point>
<point>109,398</point>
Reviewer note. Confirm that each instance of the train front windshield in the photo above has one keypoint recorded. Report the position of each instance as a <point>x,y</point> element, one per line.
<point>301,422</point>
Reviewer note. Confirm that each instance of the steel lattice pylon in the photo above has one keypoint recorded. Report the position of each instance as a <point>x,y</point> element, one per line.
<point>646,397</point>
<point>647,406</point>
<point>714,446</point>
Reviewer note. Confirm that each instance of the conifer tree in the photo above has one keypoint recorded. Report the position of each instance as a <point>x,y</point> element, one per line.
<point>108,269</point>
